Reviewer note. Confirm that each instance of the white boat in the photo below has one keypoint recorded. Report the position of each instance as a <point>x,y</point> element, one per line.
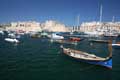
<point>94,33</point>
<point>55,36</point>
<point>11,40</point>
<point>12,35</point>
<point>116,45</point>
<point>1,32</point>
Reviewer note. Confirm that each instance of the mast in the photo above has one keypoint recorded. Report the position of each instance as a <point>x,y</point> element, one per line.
<point>101,8</point>
<point>113,19</point>
<point>101,11</point>
<point>78,20</point>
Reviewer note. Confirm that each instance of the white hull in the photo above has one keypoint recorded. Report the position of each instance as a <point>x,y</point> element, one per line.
<point>11,40</point>
<point>116,45</point>
<point>54,36</point>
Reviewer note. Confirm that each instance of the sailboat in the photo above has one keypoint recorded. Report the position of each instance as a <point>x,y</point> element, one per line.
<point>97,32</point>
<point>89,58</point>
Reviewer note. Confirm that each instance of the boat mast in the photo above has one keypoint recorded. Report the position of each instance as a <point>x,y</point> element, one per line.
<point>101,8</point>
<point>113,19</point>
<point>78,20</point>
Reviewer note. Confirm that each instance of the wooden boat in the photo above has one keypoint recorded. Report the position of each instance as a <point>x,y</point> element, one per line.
<point>89,58</point>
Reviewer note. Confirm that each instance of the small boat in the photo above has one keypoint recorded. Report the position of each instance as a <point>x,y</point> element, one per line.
<point>11,40</point>
<point>12,35</point>
<point>110,35</point>
<point>56,37</point>
<point>35,36</point>
<point>88,58</point>
<point>100,41</point>
<point>75,39</point>
<point>20,32</point>
<point>65,42</point>
<point>116,45</point>
<point>2,32</point>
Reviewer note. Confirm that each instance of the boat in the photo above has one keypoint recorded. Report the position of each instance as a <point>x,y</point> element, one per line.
<point>116,45</point>
<point>2,32</point>
<point>75,39</point>
<point>12,35</point>
<point>99,41</point>
<point>89,58</point>
<point>35,36</point>
<point>11,40</point>
<point>94,33</point>
<point>110,35</point>
<point>20,32</point>
<point>56,37</point>
<point>64,42</point>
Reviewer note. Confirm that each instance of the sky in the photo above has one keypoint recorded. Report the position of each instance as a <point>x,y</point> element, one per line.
<point>63,11</point>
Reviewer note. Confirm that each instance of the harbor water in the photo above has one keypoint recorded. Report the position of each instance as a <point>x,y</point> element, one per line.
<point>40,59</point>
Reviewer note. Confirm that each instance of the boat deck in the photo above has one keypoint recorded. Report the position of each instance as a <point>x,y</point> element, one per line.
<point>82,55</point>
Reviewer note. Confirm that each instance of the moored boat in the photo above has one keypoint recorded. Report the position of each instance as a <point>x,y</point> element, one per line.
<point>89,58</point>
<point>11,40</point>
<point>76,39</point>
<point>2,32</point>
<point>100,41</point>
<point>65,42</point>
<point>116,45</point>
<point>56,37</point>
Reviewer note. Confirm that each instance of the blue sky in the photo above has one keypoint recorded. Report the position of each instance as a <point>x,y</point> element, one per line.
<point>64,11</point>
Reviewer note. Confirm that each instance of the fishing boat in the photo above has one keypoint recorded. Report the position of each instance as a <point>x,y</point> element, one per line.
<point>89,58</point>
<point>11,40</point>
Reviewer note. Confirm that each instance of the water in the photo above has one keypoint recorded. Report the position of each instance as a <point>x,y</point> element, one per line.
<point>39,59</point>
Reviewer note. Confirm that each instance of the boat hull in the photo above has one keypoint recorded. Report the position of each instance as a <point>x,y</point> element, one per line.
<point>105,63</point>
<point>116,45</point>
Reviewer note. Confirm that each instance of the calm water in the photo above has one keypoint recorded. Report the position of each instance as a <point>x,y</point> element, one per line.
<point>39,59</point>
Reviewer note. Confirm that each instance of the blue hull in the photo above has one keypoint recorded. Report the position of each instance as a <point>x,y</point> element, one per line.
<point>106,63</point>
